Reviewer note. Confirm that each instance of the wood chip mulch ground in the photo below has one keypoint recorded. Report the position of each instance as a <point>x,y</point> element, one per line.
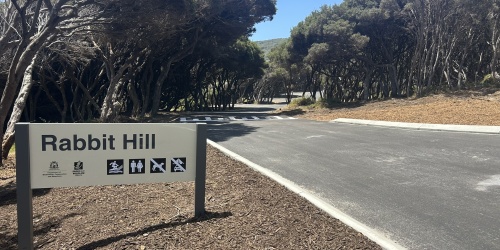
<point>245,210</point>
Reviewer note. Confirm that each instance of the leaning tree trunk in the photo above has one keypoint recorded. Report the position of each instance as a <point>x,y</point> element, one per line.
<point>22,59</point>
<point>109,109</point>
<point>111,104</point>
<point>19,105</point>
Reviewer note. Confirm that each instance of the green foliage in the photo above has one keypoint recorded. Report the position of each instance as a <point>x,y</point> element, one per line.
<point>299,102</point>
<point>325,103</point>
<point>490,81</point>
<point>267,45</point>
<point>311,103</point>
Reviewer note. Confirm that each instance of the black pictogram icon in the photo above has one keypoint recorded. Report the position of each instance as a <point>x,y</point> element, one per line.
<point>158,165</point>
<point>114,167</point>
<point>136,166</point>
<point>178,165</point>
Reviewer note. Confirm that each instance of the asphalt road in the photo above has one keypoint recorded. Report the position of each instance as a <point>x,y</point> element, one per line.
<point>422,189</point>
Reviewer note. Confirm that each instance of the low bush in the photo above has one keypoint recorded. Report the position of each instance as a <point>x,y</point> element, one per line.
<point>302,101</point>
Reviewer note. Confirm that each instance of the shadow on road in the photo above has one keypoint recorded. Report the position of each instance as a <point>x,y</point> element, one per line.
<point>224,131</point>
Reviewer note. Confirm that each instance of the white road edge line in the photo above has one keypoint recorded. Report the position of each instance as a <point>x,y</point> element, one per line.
<point>371,233</point>
<point>424,126</point>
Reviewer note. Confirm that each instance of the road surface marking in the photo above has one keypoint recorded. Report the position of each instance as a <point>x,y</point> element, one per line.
<point>235,118</point>
<point>491,182</point>
<point>373,234</point>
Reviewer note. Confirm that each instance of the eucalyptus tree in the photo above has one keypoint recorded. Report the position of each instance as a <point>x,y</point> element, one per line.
<point>493,28</point>
<point>234,65</point>
<point>383,23</point>
<point>450,38</point>
<point>33,25</point>
<point>326,43</point>
<point>7,29</point>
<point>226,20</point>
<point>281,61</point>
<point>130,38</point>
<point>266,88</point>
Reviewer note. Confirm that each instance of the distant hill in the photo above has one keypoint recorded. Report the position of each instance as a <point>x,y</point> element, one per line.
<point>267,45</point>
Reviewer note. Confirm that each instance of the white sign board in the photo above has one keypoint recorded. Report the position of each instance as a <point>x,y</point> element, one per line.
<point>68,155</point>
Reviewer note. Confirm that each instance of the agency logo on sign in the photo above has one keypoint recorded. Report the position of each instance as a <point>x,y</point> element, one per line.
<point>78,168</point>
<point>54,170</point>
<point>54,165</point>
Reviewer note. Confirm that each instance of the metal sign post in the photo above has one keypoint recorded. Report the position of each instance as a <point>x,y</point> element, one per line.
<point>71,155</point>
<point>201,161</point>
<point>24,192</point>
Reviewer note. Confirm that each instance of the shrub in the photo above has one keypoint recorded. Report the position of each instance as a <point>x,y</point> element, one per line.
<point>326,103</point>
<point>302,101</point>
<point>489,81</point>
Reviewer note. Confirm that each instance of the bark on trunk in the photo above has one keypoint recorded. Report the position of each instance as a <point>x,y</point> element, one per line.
<point>19,105</point>
<point>155,107</point>
<point>366,85</point>
<point>136,104</point>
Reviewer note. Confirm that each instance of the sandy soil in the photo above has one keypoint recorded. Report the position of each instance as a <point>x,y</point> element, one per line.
<point>244,209</point>
<point>464,108</point>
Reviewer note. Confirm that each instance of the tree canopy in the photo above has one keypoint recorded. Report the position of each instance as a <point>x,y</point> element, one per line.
<point>371,49</point>
<point>79,60</point>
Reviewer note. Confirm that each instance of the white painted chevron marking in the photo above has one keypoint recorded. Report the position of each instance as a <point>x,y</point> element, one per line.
<point>233,118</point>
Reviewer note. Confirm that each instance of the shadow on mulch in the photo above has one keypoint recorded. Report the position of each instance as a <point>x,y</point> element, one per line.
<point>9,241</point>
<point>8,193</point>
<point>104,242</point>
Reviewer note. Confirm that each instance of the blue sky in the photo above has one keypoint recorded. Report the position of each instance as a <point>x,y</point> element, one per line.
<point>289,14</point>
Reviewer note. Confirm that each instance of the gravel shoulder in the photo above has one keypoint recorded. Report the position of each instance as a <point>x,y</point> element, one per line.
<point>245,210</point>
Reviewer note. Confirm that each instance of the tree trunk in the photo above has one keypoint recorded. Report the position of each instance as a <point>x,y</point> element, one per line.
<point>366,85</point>
<point>395,91</point>
<point>19,105</point>
<point>165,68</point>
<point>136,104</point>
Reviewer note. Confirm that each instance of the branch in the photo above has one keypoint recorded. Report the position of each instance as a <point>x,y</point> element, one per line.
<point>35,18</point>
<point>48,4</point>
